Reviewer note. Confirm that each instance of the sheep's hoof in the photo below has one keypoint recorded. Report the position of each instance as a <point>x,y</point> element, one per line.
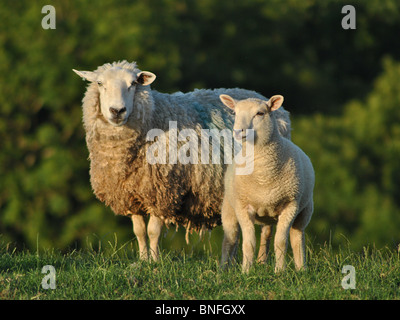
<point>224,265</point>
<point>262,259</point>
<point>135,265</point>
<point>246,268</point>
<point>279,269</point>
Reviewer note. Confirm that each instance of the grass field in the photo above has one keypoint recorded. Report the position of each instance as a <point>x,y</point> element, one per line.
<point>115,273</point>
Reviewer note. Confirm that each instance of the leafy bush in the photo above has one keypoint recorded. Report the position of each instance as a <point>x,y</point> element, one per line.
<point>294,48</point>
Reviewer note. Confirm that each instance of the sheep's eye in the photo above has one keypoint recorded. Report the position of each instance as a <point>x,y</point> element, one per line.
<point>133,83</point>
<point>260,113</point>
<point>99,83</point>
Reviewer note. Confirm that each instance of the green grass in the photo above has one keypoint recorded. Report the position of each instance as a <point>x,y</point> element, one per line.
<point>116,273</point>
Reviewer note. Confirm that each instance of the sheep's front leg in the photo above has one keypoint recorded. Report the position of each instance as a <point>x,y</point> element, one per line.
<point>246,221</point>
<point>265,239</point>
<point>282,234</point>
<point>154,228</point>
<point>139,229</point>
<point>231,232</point>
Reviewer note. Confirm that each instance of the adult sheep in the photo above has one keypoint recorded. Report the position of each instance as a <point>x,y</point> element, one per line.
<point>119,110</point>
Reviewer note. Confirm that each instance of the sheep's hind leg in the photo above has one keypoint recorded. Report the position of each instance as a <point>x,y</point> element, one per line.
<point>282,234</point>
<point>298,246</point>
<point>265,239</point>
<point>297,237</point>
<point>139,229</point>
<point>154,228</point>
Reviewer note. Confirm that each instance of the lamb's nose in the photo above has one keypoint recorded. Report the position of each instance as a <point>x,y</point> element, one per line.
<point>117,112</point>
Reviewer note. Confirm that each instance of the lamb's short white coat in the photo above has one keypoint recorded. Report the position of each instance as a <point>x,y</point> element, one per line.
<point>279,190</point>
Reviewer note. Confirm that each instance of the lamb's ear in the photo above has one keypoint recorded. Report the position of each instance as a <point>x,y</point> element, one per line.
<point>145,78</point>
<point>228,101</point>
<point>275,102</point>
<point>86,75</point>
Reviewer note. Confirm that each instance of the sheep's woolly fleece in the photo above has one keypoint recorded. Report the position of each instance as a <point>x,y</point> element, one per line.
<point>121,177</point>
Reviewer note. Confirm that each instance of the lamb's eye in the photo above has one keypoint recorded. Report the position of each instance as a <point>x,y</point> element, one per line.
<point>99,83</point>
<point>260,113</point>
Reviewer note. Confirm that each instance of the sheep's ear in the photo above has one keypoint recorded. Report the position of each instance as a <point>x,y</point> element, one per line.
<point>275,102</point>
<point>86,75</point>
<point>228,101</point>
<point>145,78</point>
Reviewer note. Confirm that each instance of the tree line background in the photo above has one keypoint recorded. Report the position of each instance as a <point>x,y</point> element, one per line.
<point>341,86</point>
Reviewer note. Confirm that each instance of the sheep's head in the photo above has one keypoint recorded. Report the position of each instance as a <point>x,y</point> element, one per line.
<point>252,114</point>
<point>117,87</point>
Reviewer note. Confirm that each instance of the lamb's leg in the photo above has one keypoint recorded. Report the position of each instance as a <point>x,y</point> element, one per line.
<point>154,228</point>
<point>139,229</point>
<point>265,239</point>
<point>281,236</point>
<point>297,239</point>
<point>246,221</point>
<point>298,246</point>
<point>231,232</point>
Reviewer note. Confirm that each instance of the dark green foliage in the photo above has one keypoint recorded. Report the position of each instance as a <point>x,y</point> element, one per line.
<point>345,121</point>
<point>356,157</point>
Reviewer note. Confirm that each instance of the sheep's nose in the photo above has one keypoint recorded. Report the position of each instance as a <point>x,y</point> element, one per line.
<point>116,112</point>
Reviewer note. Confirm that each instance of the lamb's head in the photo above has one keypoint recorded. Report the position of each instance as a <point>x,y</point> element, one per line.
<point>253,114</point>
<point>117,84</point>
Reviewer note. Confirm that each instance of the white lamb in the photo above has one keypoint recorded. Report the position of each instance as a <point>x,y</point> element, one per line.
<point>279,190</point>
